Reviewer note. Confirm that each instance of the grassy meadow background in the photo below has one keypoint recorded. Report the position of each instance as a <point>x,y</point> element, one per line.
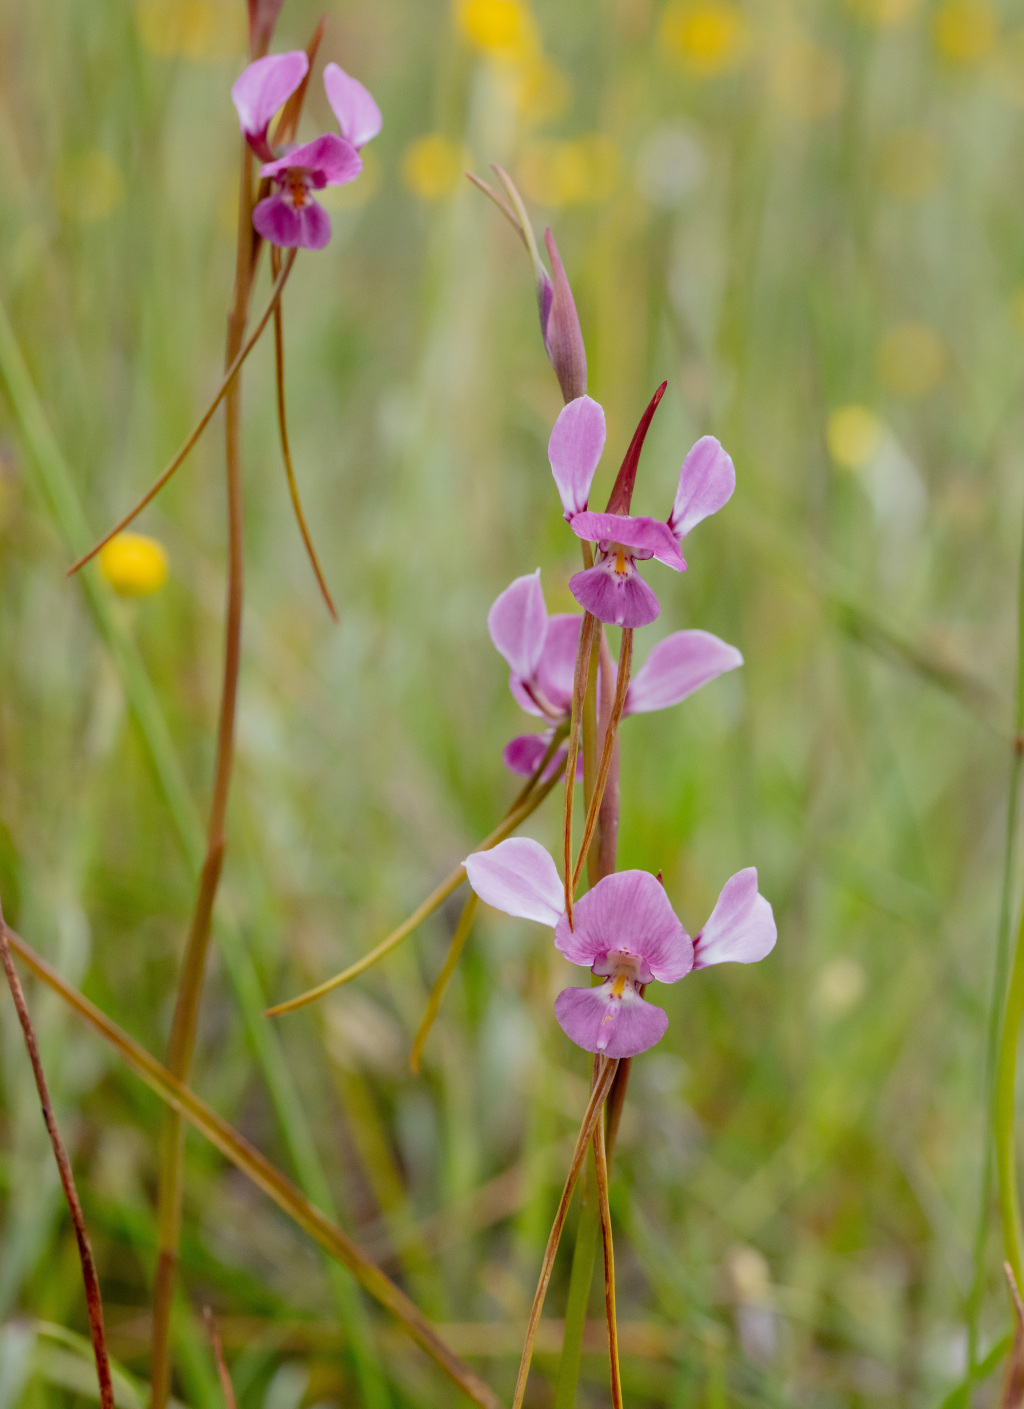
<point>807,215</point>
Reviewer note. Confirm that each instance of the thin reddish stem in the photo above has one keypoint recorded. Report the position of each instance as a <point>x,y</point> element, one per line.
<point>601,1167</point>
<point>93,1299</point>
<point>610,735</point>
<point>579,692</point>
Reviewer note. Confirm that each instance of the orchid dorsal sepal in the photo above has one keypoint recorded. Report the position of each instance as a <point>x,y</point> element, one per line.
<point>263,88</point>
<point>625,931</point>
<point>621,497</point>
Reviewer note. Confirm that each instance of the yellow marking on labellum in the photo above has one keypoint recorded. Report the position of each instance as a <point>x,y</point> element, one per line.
<point>620,561</point>
<point>619,985</point>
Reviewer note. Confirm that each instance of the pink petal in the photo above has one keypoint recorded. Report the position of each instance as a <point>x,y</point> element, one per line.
<point>518,623</point>
<point>519,877</point>
<point>262,88</point>
<point>358,115</point>
<point>706,482</point>
<point>629,912</point>
<point>306,227</point>
<point>617,599</point>
<point>524,753</point>
<point>556,669</point>
<point>741,929</point>
<point>330,159</point>
<point>650,535</point>
<point>574,451</point>
<point>678,666</point>
<point>617,1027</point>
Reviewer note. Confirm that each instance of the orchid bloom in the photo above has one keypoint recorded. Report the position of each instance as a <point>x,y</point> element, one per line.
<point>613,588</point>
<point>290,216</point>
<point>626,932</point>
<point>541,654</point>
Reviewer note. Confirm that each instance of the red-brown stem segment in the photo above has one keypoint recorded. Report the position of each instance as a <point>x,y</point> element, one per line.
<point>590,1118</point>
<point>458,943</point>
<point>532,797</point>
<point>93,1300</point>
<point>227,1388</point>
<point>286,454</point>
<point>579,691</point>
<point>601,1166</point>
<point>616,1100</point>
<point>190,986</point>
<point>229,376</point>
<point>266,1176</point>
<point>610,735</point>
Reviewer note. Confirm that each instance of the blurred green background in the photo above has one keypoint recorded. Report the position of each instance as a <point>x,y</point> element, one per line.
<point>807,216</point>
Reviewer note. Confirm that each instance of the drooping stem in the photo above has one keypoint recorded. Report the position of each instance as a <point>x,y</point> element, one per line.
<point>227,1388</point>
<point>601,1168</point>
<point>458,943</point>
<point>590,1118</point>
<point>531,798</point>
<point>93,1300</point>
<point>286,453</point>
<point>227,381</point>
<point>186,1010</point>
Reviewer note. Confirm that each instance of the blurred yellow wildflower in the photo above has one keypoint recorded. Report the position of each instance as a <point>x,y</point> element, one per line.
<point>569,173</point>
<point>840,986</point>
<point>911,359</point>
<point>540,90</point>
<point>706,37</point>
<point>1009,67</point>
<point>89,185</point>
<point>808,79</point>
<point>883,13</point>
<point>853,434</point>
<point>504,29</point>
<point>965,30</point>
<point>192,29</point>
<point>432,165</point>
<point>911,163</point>
<point>133,564</point>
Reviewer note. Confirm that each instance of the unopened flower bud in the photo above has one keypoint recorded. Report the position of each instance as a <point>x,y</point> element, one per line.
<point>561,328</point>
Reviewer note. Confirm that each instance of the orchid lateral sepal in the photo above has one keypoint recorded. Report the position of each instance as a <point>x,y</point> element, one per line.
<point>528,800</point>
<point>203,422</point>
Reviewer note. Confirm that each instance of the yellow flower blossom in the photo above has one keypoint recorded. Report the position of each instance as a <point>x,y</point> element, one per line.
<point>965,30</point>
<point>504,29</point>
<point>808,79</point>
<point>912,359</point>
<point>192,29</point>
<point>540,90</point>
<point>432,165</point>
<point>886,14</point>
<point>853,434</point>
<point>576,172</point>
<point>133,564</point>
<point>90,186</point>
<point>911,163</point>
<point>705,37</point>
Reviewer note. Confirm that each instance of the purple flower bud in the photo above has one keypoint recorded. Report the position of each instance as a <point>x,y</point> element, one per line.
<point>561,328</point>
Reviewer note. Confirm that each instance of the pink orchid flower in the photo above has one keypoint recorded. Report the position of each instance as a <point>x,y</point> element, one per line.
<point>626,932</point>
<point>613,588</point>
<point>541,654</point>
<point>290,216</point>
